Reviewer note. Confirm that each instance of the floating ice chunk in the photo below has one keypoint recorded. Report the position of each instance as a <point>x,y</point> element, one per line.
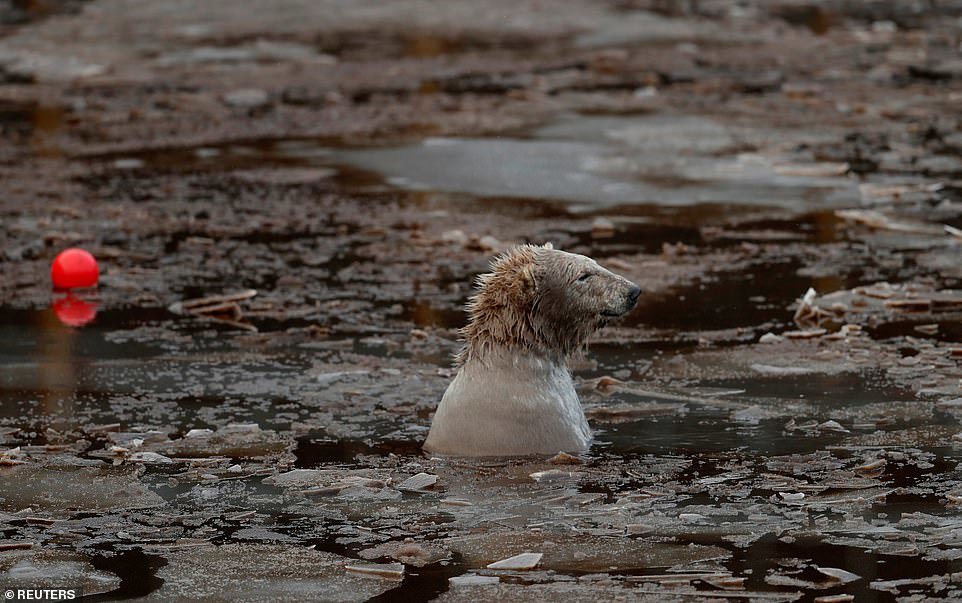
<point>418,483</point>
<point>149,458</point>
<point>840,575</point>
<point>473,580</point>
<point>391,571</point>
<point>524,561</point>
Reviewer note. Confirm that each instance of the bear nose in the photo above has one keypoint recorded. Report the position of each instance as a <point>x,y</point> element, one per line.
<point>633,294</point>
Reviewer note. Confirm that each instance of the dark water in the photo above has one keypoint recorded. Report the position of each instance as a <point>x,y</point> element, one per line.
<point>149,368</point>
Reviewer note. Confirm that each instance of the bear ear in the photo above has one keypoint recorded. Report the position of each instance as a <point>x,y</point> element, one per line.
<point>518,287</point>
<point>548,246</point>
<point>527,286</point>
<point>512,278</point>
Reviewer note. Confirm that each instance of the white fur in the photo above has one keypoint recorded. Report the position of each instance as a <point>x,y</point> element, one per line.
<point>511,403</point>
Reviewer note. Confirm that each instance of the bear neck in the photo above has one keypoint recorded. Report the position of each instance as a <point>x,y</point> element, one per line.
<point>493,356</point>
<point>490,340</point>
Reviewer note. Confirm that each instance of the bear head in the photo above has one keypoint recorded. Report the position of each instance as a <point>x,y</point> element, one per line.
<point>543,299</point>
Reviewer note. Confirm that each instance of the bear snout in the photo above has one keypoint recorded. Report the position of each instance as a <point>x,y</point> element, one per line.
<point>623,299</point>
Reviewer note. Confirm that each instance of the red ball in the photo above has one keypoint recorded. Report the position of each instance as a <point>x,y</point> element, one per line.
<point>74,268</point>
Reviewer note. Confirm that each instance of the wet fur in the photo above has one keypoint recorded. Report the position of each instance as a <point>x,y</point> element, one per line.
<point>513,394</point>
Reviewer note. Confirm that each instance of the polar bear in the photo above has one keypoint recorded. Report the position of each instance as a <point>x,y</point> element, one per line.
<point>513,394</point>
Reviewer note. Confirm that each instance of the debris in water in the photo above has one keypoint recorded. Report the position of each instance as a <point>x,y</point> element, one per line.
<point>872,469</point>
<point>805,334</point>
<point>839,575</point>
<point>149,457</point>
<point>422,482</point>
<point>13,456</point>
<point>563,458</point>
<point>473,580</point>
<point>408,553</point>
<point>391,571</point>
<point>223,308</point>
<point>812,170</point>
<point>832,425</point>
<point>553,475</point>
<point>524,561</point>
<point>725,582</point>
<point>768,369</point>
<point>246,98</point>
<point>456,502</point>
<point>606,384</point>
<point>879,221</point>
<point>602,228</point>
<point>807,314</point>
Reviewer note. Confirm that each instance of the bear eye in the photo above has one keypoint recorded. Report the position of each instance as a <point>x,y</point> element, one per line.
<point>585,276</point>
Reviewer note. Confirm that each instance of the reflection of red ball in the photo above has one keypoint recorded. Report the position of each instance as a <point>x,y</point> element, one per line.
<point>74,268</point>
<point>74,312</point>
